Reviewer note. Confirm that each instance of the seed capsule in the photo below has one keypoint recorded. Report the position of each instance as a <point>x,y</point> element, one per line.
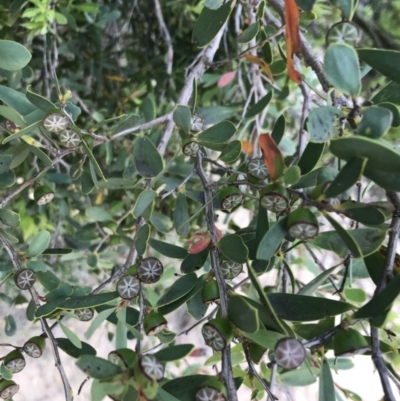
<point>8,389</point>
<point>55,122</point>
<point>84,315</point>
<point>275,198</point>
<point>70,138</point>
<point>303,224</point>
<point>153,323</point>
<point>230,197</point>
<point>257,169</point>
<point>217,333</point>
<point>128,287</point>
<point>231,269</point>
<point>289,353</point>
<point>150,270</point>
<point>14,361</point>
<point>43,195</point>
<point>190,148</point>
<point>210,292</point>
<point>35,346</point>
<point>151,367</point>
<point>25,278</point>
<point>212,390</point>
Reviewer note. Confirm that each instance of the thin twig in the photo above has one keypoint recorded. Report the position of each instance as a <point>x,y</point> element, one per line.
<point>176,189</point>
<point>29,182</point>
<point>45,327</point>
<point>166,36</point>
<point>227,373</point>
<point>138,347</point>
<point>304,113</point>
<point>387,272</point>
<point>253,372</point>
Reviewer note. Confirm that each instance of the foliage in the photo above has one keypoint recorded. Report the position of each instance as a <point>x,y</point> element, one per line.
<point>136,139</point>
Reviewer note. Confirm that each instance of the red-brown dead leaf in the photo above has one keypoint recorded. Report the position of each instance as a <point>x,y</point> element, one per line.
<point>293,42</point>
<point>273,157</point>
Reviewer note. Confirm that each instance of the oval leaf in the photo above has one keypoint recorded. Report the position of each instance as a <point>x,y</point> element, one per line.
<point>39,243</point>
<point>342,69</point>
<point>148,161</point>
<point>233,247</point>
<point>178,289</point>
<point>242,314</point>
<point>13,56</point>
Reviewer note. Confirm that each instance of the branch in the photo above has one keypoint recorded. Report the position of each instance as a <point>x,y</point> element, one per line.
<point>227,373</point>
<point>166,36</point>
<point>377,356</point>
<point>184,96</point>
<point>45,327</point>
<point>253,372</point>
<point>176,189</point>
<point>29,182</point>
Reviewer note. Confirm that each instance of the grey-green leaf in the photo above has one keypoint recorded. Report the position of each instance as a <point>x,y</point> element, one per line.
<point>13,56</point>
<point>148,161</point>
<point>39,243</point>
<point>181,216</point>
<point>342,69</point>
<point>9,218</point>
<point>143,201</point>
<point>209,24</point>
<point>233,247</point>
<point>182,117</point>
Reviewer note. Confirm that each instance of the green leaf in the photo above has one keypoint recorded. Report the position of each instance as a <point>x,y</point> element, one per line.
<point>242,314</point>
<point>388,181</point>
<point>292,175</point>
<point>128,121</point>
<point>57,251</point>
<point>361,212</point>
<point>39,243</point>
<point>97,213</point>
<point>306,5</point>
<point>313,285</point>
<point>233,247</point>
<point>264,338</point>
<point>326,385</point>
<point>347,7</point>
<point>210,23</point>
<point>116,183</point>
<point>174,352</point>
<point>166,249</point>
<point>342,69</point>
<point>88,301</point>
<point>218,133</point>
<point>321,124</point>
<point>48,280</point>
<point>97,368</point>
<point>143,201</point>
<point>121,330</point>
<point>10,114</point>
<point>272,240</point>
<point>16,100</point>
<point>368,239</point>
<point>148,161</point>
<point>381,302</point>
<point>178,289</point>
<point>195,306</point>
<point>386,62</point>
<point>268,311</point>
<point>316,177</point>
<point>279,129</point>
<point>142,239</point>
<point>36,266</point>
<point>389,93</point>
<point>13,56</point>
<point>166,309</point>
<point>7,179</point>
<point>149,109</point>
<point>231,152</point>
<point>184,388</point>
<point>30,129</point>
<point>394,110</point>
<point>71,336</point>
<point>99,319</point>
<point>249,33</point>
<point>39,101</point>
<point>183,117</point>
<point>348,176</point>
<point>299,377</point>
<point>9,218</point>
<point>181,216</point>
<point>355,294</point>
<point>66,345</point>
<point>195,261</point>
<point>380,156</point>
<point>10,327</point>
<point>260,105</point>
<point>41,155</point>
<point>93,161</point>
<point>346,237</point>
<point>375,123</point>
<point>302,308</point>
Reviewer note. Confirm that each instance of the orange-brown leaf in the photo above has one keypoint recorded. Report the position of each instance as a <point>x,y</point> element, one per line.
<point>273,157</point>
<point>261,63</point>
<point>293,42</point>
